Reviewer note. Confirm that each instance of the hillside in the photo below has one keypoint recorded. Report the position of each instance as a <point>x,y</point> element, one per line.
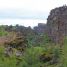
<point>43,46</point>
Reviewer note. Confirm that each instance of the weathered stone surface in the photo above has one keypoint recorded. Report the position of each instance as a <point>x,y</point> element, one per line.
<point>57,24</point>
<point>40,29</point>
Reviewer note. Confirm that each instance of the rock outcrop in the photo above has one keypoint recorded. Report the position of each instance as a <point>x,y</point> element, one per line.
<point>57,24</point>
<point>40,29</point>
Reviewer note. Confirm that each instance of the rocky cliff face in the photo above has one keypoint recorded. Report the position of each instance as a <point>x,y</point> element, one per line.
<point>41,28</point>
<point>57,24</point>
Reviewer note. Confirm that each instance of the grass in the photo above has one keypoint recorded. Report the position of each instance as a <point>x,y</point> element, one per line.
<point>64,53</point>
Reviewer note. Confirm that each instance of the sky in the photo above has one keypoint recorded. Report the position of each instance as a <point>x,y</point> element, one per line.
<point>27,12</point>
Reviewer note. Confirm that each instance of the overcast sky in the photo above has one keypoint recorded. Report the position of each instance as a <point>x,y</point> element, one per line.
<point>27,12</point>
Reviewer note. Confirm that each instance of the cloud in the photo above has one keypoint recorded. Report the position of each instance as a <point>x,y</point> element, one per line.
<point>27,12</point>
<point>24,22</point>
<point>31,9</point>
<point>22,14</point>
<point>34,5</point>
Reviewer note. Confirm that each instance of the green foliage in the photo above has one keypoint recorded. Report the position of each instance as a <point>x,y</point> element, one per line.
<point>64,53</point>
<point>30,58</point>
<point>6,61</point>
<point>38,40</point>
<point>39,51</point>
<point>3,32</point>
